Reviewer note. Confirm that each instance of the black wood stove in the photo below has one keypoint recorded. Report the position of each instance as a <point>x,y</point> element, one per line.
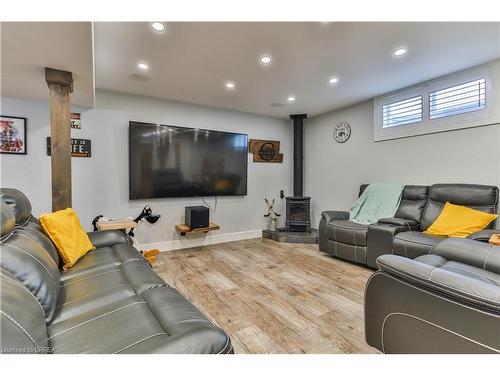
<point>298,214</point>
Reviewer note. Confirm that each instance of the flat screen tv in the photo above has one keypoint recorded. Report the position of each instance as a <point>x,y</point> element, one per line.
<point>170,161</point>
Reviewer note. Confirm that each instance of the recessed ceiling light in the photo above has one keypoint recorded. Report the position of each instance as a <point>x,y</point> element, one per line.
<point>142,66</point>
<point>333,80</point>
<point>400,52</point>
<point>230,85</point>
<point>291,98</point>
<point>158,26</point>
<point>266,59</point>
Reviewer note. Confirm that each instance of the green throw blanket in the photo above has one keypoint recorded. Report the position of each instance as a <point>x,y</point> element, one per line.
<point>379,200</point>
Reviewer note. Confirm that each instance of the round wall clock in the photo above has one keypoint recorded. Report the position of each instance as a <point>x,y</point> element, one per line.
<point>342,132</point>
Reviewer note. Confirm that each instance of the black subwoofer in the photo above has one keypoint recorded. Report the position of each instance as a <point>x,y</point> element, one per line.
<point>197,217</point>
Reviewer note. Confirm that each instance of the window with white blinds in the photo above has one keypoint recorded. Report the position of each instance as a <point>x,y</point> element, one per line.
<point>458,99</point>
<point>403,112</point>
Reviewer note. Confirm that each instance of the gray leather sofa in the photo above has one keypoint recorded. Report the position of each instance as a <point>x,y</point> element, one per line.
<point>110,301</point>
<point>402,235</point>
<point>446,301</point>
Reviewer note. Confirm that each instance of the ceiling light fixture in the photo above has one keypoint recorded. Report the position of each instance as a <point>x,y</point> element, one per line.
<point>333,80</point>
<point>230,85</point>
<point>158,26</point>
<point>265,60</point>
<point>291,99</point>
<point>142,66</point>
<point>400,52</point>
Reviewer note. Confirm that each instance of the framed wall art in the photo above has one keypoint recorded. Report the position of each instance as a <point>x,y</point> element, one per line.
<point>13,135</point>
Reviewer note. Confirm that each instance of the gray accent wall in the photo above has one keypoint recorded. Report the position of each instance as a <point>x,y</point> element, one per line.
<point>100,183</point>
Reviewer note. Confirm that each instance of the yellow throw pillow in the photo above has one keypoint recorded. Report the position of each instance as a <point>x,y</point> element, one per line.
<point>459,221</point>
<point>64,229</point>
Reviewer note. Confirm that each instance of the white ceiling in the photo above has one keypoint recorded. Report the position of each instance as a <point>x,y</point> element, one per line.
<point>28,47</point>
<point>190,62</point>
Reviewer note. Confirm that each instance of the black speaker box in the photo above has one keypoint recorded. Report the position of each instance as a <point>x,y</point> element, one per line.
<point>197,217</point>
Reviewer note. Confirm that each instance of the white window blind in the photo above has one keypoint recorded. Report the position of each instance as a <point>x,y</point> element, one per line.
<point>458,99</point>
<point>402,112</point>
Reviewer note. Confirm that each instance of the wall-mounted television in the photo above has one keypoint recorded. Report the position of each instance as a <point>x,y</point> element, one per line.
<point>171,161</point>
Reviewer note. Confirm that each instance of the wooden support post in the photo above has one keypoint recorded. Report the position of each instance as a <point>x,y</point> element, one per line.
<point>60,86</point>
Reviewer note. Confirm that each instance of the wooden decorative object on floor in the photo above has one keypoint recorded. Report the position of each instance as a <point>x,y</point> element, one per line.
<point>265,151</point>
<point>182,229</point>
<point>116,224</point>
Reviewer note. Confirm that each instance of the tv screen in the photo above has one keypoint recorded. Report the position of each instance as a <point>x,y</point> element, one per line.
<point>171,161</point>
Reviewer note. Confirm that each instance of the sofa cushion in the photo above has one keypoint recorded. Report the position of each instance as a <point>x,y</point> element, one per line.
<point>459,221</point>
<point>64,229</point>
<point>477,254</point>
<point>468,284</point>
<point>412,202</point>
<point>412,244</point>
<point>101,259</point>
<point>32,266</point>
<point>160,321</point>
<point>347,232</point>
<point>84,293</point>
<point>479,197</point>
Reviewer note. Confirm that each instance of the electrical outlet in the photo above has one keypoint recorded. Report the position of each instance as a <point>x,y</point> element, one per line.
<point>282,194</point>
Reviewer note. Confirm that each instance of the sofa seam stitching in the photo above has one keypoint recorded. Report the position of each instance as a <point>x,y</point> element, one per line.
<point>139,341</point>
<point>91,295</point>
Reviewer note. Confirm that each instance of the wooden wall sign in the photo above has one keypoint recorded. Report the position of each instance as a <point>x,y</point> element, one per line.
<point>80,148</point>
<point>265,151</point>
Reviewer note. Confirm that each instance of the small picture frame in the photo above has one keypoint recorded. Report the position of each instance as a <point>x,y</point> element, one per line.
<point>13,135</point>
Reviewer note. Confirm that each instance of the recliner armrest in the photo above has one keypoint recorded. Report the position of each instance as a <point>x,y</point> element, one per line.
<point>335,215</point>
<point>105,238</point>
<point>400,222</point>
<point>380,240</point>
<point>483,235</point>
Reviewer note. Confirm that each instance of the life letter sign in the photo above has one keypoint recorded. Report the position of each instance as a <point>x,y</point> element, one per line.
<point>80,148</point>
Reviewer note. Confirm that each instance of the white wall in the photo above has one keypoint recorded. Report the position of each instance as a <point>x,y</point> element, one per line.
<point>334,171</point>
<point>100,183</point>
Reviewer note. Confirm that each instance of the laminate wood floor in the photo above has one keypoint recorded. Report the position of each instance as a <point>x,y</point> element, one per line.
<point>273,297</point>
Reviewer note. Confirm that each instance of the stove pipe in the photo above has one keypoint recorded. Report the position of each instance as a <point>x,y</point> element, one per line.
<point>298,154</point>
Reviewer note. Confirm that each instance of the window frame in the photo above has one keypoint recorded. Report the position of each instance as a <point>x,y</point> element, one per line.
<point>428,125</point>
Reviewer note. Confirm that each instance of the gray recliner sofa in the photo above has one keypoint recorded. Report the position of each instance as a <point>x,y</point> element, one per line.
<point>445,301</point>
<point>402,234</point>
<point>110,301</point>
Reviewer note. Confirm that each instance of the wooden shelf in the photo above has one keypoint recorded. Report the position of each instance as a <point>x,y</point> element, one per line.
<point>182,229</point>
<point>116,224</point>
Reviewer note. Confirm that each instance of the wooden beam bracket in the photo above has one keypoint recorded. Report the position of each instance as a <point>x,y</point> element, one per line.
<point>59,78</point>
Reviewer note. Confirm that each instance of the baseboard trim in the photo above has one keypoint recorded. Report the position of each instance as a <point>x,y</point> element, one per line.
<point>201,240</point>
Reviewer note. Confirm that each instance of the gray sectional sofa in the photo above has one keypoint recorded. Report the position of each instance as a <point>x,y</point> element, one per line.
<point>402,234</point>
<point>110,301</point>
